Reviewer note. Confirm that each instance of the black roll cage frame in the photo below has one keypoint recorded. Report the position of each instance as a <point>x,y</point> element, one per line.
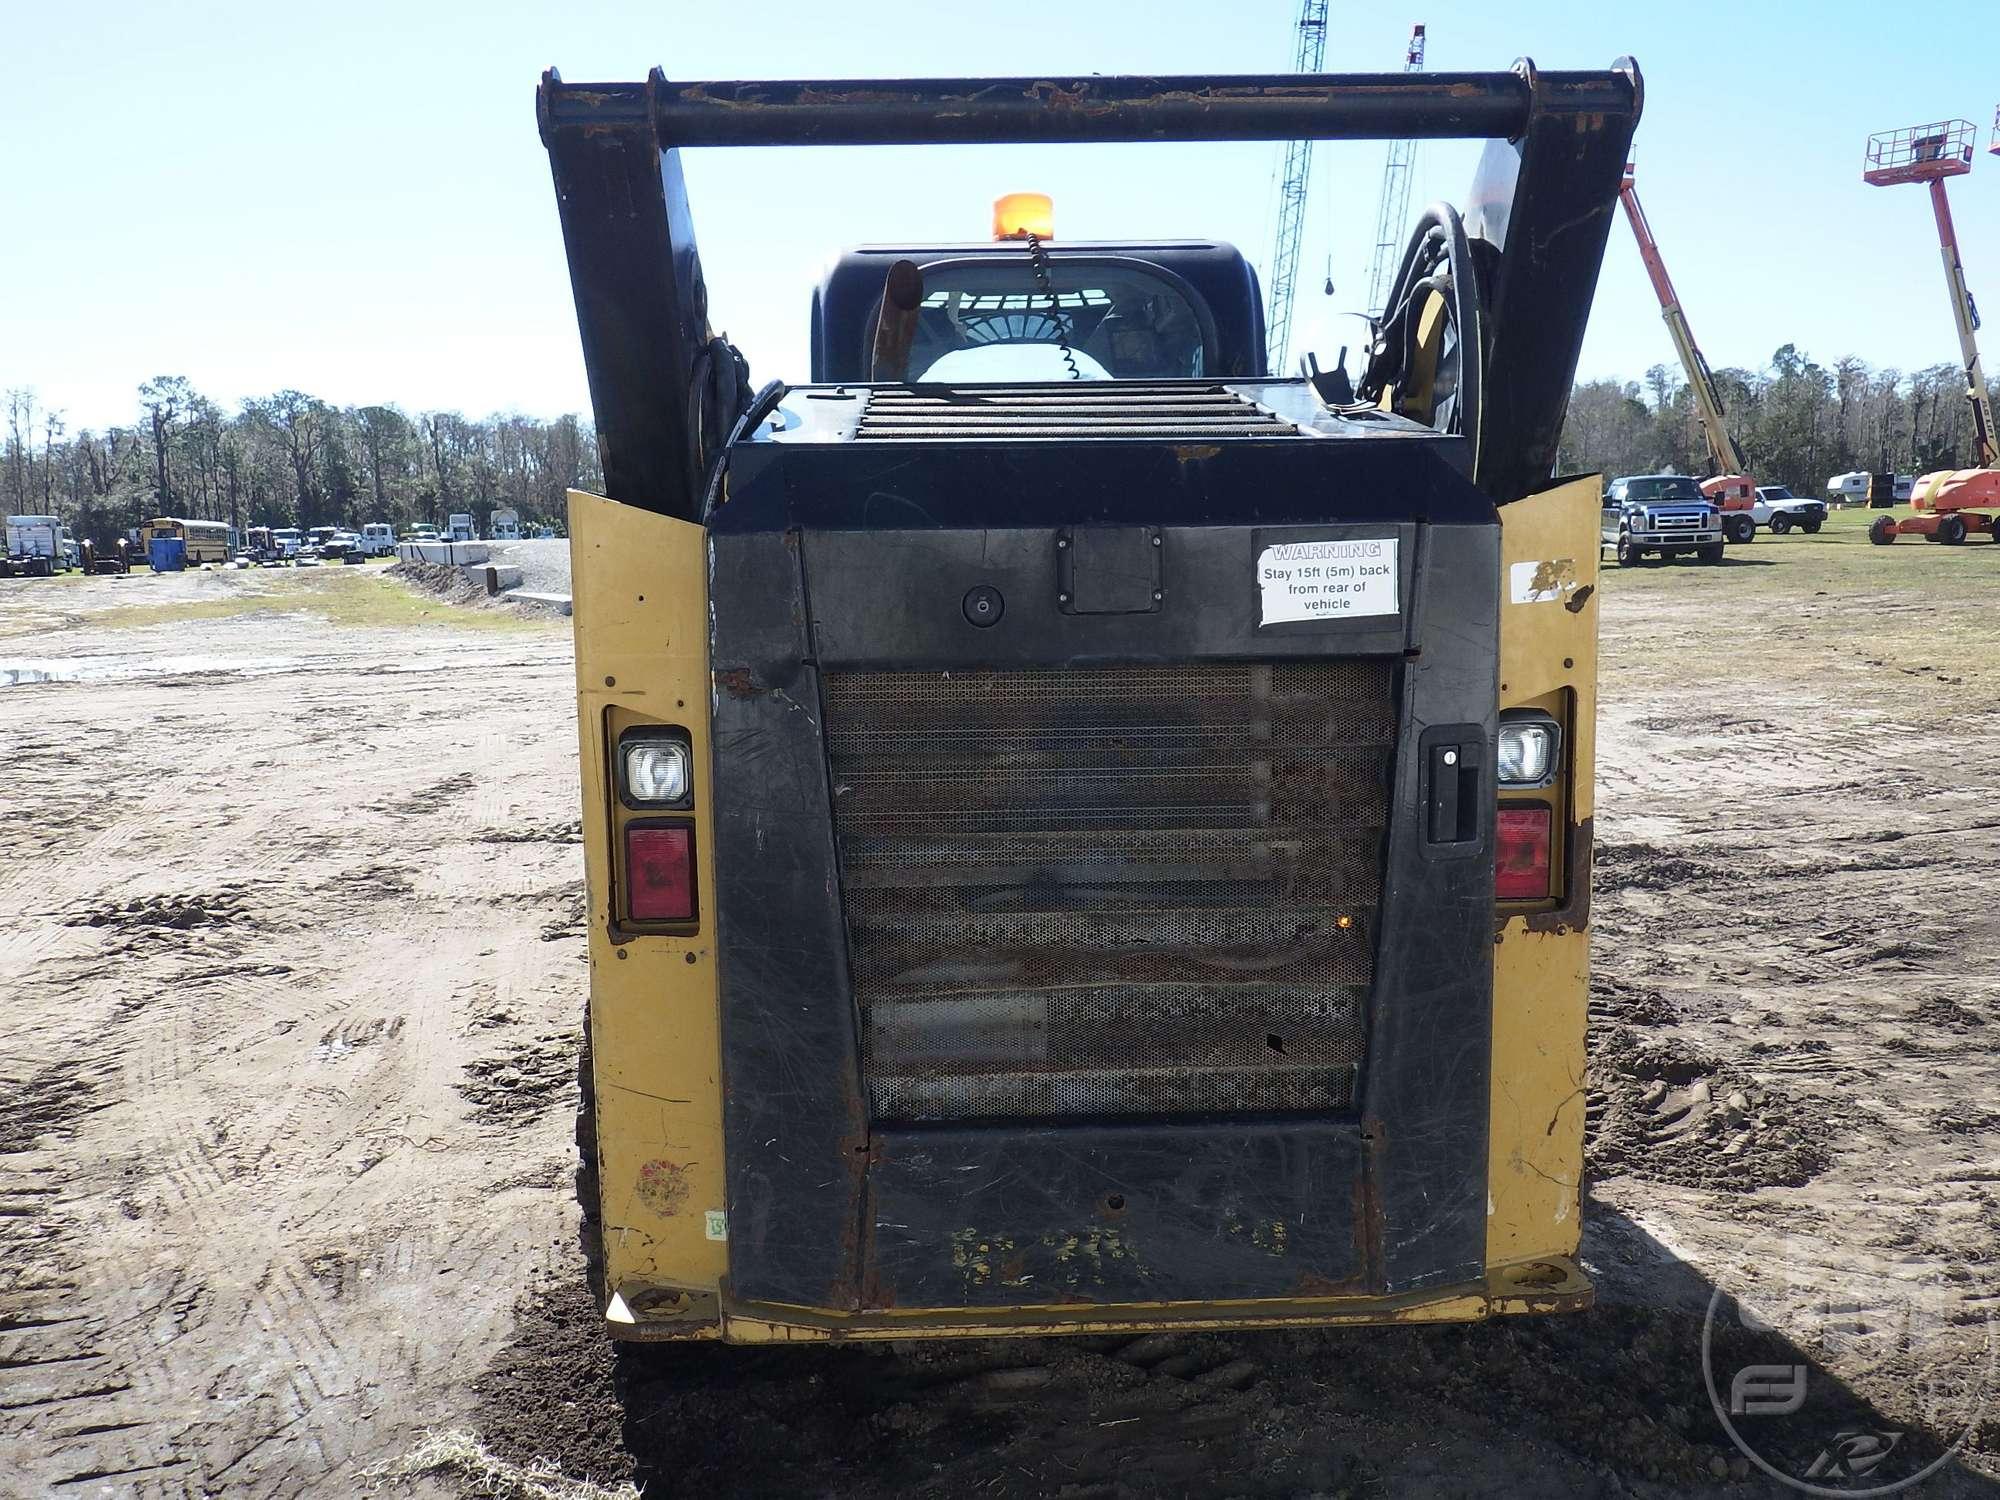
<point>665,391</point>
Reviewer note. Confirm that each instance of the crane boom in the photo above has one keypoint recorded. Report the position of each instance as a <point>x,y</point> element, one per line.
<point>1394,211</point>
<point>1722,449</point>
<point>1296,178</point>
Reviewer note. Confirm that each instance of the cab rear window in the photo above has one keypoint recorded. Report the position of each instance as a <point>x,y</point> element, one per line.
<point>986,320</point>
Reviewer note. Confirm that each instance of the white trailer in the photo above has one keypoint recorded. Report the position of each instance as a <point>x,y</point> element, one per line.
<point>505,526</point>
<point>460,528</point>
<point>378,539</point>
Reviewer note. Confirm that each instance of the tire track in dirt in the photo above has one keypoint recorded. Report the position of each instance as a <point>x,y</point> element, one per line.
<point>270,1092</point>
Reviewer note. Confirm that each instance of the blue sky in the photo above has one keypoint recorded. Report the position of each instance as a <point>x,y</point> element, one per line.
<point>351,199</point>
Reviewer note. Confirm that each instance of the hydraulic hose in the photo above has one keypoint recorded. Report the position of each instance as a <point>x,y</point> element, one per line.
<point>1438,259</point>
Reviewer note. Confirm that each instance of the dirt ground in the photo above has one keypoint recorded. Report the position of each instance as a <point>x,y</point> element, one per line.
<point>290,947</point>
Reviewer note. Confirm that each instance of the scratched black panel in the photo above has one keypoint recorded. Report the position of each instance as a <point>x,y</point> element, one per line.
<point>1425,1094</point>
<point>995,1217</point>
<point>791,1090</point>
<point>1415,1215</point>
<point>897,599</point>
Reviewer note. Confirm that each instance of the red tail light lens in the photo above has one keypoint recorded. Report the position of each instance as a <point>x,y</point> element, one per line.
<point>659,870</point>
<point>1521,854</point>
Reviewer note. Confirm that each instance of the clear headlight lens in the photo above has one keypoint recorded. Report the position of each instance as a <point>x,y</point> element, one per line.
<point>1527,752</point>
<point>657,771</point>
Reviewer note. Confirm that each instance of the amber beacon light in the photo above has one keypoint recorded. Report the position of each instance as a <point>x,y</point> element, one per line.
<point>1020,216</point>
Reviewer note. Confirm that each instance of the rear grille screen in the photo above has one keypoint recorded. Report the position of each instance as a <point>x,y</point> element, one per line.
<point>1125,409</point>
<point>1111,891</point>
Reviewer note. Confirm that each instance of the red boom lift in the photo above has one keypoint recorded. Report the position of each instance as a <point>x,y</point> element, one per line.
<point>1733,491</point>
<point>1950,504</point>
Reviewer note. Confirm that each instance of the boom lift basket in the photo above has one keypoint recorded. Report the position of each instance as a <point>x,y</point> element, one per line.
<point>1921,153</point>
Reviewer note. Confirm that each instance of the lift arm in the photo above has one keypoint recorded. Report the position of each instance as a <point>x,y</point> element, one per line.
<point>1985,440</point>
<point>665,390</point>
<point>1722,449</point>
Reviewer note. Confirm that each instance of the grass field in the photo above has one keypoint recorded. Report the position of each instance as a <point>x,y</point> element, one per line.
<point>343,596</point>
<point>1839,559</point>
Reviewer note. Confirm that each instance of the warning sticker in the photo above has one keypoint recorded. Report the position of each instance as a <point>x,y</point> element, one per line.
<point>1327,580</point>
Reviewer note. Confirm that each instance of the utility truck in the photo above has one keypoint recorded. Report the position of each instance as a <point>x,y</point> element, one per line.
<point>35,547</point>
<point>1729,489</point>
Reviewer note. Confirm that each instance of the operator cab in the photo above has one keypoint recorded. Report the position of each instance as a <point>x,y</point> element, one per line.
<point>1004,312</point>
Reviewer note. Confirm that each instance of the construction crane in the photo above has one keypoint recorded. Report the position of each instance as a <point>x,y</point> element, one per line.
<point>1308,55</point>
<point>1395,209</point>
<point>1730,488</point>
<point>1950,503</point>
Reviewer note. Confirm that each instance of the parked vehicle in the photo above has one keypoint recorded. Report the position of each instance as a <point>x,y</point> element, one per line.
<point>1730,490</point>
<point>460,528</point>
<point>1206,943</point>
<point>378,539</point>
<point>1849,489</point>
<point>423,533</point>
<point>1666,514</point>
<point>35,547</point>
<point>1949,506</point>
<point>342,547</point>
<point>201,541</point>
<point>504,526</point>
<point>96,559</point>
<point>286,542</point>
<point>1778,508</point>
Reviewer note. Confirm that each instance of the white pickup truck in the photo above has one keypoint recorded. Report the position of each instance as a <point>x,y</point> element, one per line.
<point>1781,510</point>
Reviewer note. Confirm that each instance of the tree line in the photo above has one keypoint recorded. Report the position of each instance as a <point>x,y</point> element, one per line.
<point>291,459</point>
<point>1798,422</point>
<point>288,459</point>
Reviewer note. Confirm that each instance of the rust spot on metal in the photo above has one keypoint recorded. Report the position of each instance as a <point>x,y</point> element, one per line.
<point>1576,601</point>
<point>1312,1284</point>
<point>1195,452</point>
<point>1575,912</point>
<point>663,1187</point>
<point>1368,1203</point>
<point>737,682</point>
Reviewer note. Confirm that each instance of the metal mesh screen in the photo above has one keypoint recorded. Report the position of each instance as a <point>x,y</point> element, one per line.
<point>1060,409</point>
<point>1111,891</point>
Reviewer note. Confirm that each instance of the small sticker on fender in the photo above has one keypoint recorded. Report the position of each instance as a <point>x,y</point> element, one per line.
<point>1542,582</point>
<point>715,1223</point>
<point>1327,580</point>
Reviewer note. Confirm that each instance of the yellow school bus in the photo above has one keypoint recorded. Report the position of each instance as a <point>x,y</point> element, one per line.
<point>207,541</point>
